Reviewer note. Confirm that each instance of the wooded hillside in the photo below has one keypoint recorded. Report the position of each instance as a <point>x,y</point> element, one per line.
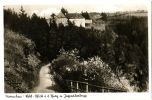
<point>123,46</point>
<point>21,63</point>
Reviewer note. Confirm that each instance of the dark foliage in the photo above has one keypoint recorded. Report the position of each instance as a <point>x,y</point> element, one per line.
<point>131,49</point>
<point>38,32</point>
<point>64,11</point>
<point>124,46</point>
<point>20,63</point>
<point>85,15</point>
<point>104,16</point>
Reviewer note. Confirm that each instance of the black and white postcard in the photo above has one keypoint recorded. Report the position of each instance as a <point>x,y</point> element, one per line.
<point>76,49</point>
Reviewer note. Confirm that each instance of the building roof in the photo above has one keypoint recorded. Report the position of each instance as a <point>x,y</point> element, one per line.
<point>74,16</point>
<point>61,15</point>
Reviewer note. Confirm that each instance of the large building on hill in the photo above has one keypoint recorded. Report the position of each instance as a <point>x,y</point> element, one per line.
<point>61,18</point>
<point>94,20</point>
<point>76,18</point>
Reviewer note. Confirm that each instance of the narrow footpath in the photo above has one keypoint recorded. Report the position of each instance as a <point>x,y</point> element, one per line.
<point>47,83</point>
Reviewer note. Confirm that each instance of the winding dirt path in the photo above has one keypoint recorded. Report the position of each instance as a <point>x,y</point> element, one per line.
<point>47,83</point>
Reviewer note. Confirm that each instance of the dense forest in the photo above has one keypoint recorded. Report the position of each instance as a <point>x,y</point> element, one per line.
<point>116,57</point>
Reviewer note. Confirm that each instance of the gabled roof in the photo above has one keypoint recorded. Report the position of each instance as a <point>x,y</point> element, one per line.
<point>61,15</point>
<point>74,16</point>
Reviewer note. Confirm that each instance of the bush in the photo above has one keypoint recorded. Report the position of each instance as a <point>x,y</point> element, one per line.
<point>99,73</point>
<point>66,63</point>
<point>94,70</point>
<point>20,62</point>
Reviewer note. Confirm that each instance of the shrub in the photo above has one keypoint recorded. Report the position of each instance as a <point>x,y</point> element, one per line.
<point>99,73</point>
<point>94,70</point>
<point>20,62</point>
<point>66,63</point>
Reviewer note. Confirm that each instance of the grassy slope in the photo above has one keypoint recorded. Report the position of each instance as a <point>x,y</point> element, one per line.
<point>20,63</point>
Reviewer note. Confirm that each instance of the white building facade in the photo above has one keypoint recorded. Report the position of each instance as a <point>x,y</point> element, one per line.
<point>78,22</point>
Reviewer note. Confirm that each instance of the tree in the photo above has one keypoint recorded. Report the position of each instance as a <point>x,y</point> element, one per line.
<point>53,16</point>
<point>39,31</point>
<point>64,11</point>
<point>104,16</point>
<point>53,25</point>
<point>23,21</point>
<point>129,56</point>
<point>66,64</point>
<point>11,20</point>
<point>85,15</point>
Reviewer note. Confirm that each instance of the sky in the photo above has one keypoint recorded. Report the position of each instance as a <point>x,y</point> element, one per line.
<point>45,9</point>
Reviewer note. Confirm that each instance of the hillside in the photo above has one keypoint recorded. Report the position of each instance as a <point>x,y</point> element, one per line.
<point>20,63</point>
<point>116,57</point>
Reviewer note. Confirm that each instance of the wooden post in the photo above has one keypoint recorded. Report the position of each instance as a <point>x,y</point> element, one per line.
<point>71,86</point>
<point>77,86</point>
<point>86,87</point>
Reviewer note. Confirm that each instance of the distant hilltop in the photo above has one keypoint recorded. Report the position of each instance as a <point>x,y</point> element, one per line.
<point>138,13</point>
<point>90,20</point>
